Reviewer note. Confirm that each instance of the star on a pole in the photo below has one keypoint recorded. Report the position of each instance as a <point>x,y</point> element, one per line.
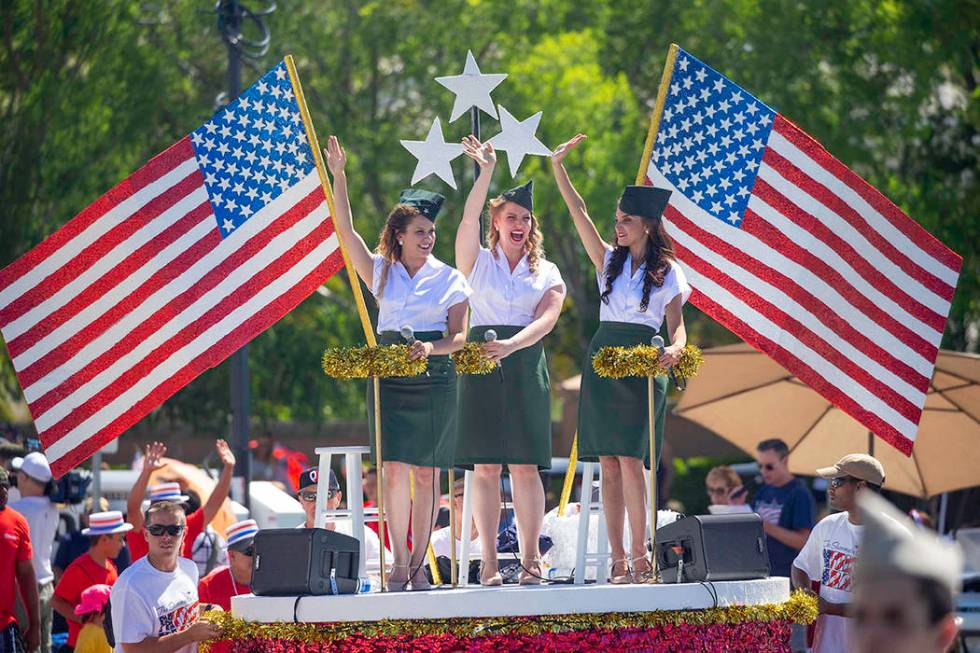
<point>472,89</point>
<point>517,138</point>
<point>434,155</point>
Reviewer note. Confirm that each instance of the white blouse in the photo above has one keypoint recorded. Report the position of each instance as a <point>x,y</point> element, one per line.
<point>627,293</point>
<point>421,302</point>
<point>504,297</point>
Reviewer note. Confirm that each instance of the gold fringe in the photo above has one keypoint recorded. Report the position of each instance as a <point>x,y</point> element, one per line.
<point>801,608</point>
<point>643,360</point>
<point>366,362</point>
<point>471,360</point>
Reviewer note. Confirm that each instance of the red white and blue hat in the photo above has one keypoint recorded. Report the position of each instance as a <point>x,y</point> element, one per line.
<point>106,523</point>
<point>166,492</point>
<point>241,534</point>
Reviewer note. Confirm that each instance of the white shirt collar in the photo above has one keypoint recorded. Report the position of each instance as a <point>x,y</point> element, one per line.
<point>503,262</point>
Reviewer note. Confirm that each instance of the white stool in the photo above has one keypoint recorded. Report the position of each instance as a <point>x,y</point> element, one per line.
<point>354,490</point>
<point>599,558</point>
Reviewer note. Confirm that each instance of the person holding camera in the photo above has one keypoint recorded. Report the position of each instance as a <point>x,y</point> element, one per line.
<point>34,482</point>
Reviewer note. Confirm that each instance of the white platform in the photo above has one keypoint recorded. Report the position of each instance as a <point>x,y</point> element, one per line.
<point>510,601</point>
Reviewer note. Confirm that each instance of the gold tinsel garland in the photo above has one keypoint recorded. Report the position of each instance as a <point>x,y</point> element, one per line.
<point>801,608</point>
<point>366,362</point>
<point>471,360</point>
<point>643,360</point>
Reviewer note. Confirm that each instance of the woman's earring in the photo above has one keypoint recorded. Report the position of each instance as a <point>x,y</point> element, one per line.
<point>401,243</point>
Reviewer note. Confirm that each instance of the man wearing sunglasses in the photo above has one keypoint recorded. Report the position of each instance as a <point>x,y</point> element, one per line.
<point>307,498</point>
<point>155,601</point>
<point>829,553</point>
<point>785,504</point>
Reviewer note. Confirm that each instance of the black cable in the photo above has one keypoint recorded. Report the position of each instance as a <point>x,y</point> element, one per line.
<point>712,591</point>
<point>296,609</point>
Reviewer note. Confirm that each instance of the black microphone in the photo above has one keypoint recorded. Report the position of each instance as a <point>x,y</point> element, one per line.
<point>658,342</point>
<point>490,336</point>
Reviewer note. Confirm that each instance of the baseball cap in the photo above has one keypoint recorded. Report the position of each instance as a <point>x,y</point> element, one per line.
<point>93,599</point>
<point>309,477</point>
<point>856,465</point>
<point>34,465</point>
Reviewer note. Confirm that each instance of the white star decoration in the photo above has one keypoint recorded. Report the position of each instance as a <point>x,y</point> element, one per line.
<point>517,138</point>
<point>434,155</point>
<point>472,89</point>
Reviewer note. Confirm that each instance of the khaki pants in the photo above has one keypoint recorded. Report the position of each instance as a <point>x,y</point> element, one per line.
<point>44,595</point>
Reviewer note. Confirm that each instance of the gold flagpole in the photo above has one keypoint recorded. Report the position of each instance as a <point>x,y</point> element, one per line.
<point>658,109</point>
<point>454,572</point>
<point>641,175</point>
<point>355,288</point>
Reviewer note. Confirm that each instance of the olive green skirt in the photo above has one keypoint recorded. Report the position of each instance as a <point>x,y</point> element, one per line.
<point>612,413</point>
<point>418,413</point>
<point>505,416</point>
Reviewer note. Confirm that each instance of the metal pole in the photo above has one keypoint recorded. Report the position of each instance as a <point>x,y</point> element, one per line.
<point>231,13</point>
<point>96,480</point>
<point>943,504</point>
<point>475,130</point>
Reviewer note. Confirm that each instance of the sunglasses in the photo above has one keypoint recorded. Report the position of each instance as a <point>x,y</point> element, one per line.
<point>837,482</point>
<point>717,490</point>
<point>158,530</point>
<point>250,551</point>
<point>768,467</point>
<point>310,497</point>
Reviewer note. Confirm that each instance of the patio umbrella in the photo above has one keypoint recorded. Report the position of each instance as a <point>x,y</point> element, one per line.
<point>745,397</point>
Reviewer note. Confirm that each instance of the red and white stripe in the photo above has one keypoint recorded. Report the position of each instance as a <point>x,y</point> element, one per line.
<point>828,277</point>
<point>139,294</point>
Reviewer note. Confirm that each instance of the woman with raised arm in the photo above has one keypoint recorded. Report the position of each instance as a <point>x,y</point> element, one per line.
<point>640,283</point>
<point>505,416</point>
<point>421,302</point>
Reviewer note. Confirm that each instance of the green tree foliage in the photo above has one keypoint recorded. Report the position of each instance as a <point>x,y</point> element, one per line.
<point>89,91</point>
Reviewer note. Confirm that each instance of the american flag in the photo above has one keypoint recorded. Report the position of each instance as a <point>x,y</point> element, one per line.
<point>837,570</point>
<point>168,273</point>
<point>798,255</point>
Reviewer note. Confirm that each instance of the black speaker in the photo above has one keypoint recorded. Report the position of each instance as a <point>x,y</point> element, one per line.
<point>304,561</point>
<point>713,547</point>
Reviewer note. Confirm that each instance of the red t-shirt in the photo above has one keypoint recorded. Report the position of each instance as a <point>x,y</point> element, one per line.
<point>138,547</point>
<point>219,586</point>
<point>15,546</point>
<point>81,574</point>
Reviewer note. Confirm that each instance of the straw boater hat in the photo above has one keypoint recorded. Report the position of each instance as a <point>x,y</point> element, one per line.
<point>106,523</point>
<point>241,535</point>
<point>166,492</point>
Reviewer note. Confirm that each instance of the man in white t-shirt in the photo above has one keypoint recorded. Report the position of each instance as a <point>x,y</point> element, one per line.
<point>832,547</point>
<point>154,603</point>
<point>33,479</point>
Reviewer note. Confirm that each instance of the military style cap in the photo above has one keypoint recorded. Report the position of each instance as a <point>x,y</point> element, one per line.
<point>427,202</point>
<point>523,195</point>
<point>892,544</point>
<point>644,201</point>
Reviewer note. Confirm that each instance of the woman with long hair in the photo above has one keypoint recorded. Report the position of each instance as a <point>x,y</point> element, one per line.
<point>505,417</point>
<point>421,302</point>
<point>640,284</point>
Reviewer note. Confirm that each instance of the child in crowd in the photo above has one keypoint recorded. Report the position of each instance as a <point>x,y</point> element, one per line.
<point>91,609</point>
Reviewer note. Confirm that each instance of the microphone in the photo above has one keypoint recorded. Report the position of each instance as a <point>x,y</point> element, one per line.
<point>490,336</point>
<point>409,335</point>
<point>658,342</point>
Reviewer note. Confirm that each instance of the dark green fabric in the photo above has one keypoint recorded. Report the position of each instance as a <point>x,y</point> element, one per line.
<point>505,416</point>
<point>612,413</point>
<point>418,413</point>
